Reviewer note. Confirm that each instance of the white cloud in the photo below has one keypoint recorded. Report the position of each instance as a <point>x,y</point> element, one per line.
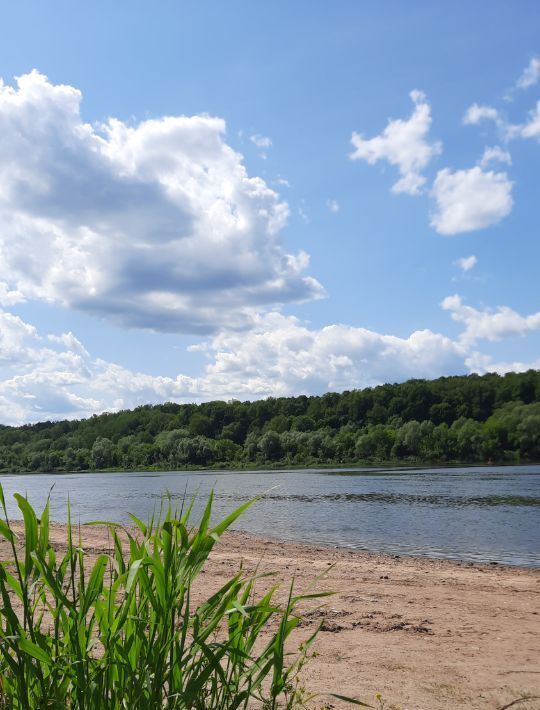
<point>9,297</point>
<point>482,364</point>
<point>495,154</point>
<point>333,205</point>
<point>470,199</point>
<point>477,113</point>
<point>489,324</point>
<point>467,262</point>
<point>532,128</point>
<point>54,376</point>
<point>154,225</point>
<point>282,356</point>
<point>403,143</point>
<point>507,131</point>
<point>261,141</point>
<point>530,75</point>
<point>69,341</point>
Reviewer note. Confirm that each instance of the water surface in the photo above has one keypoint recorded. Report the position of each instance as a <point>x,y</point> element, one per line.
<point>489,514</point>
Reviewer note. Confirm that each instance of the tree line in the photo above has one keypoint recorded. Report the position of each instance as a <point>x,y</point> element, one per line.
<point>472,419</point>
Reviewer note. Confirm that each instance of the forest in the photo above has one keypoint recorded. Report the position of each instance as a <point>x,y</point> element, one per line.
<point>461,419</point>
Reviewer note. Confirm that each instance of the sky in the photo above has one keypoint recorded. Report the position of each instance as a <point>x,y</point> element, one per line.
<point>239,200</point>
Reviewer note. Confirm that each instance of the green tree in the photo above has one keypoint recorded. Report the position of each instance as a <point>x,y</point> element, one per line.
<point>270,446</point>
<point>102,453</point>
<point>528,432</point>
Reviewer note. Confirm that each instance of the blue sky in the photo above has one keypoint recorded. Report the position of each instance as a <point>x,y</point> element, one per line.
<point>215,200</point>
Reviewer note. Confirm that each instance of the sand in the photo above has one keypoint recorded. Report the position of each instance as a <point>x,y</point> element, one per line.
<point>424,634</point>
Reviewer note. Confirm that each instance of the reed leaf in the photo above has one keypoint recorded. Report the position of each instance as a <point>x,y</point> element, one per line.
<point>124,632</point>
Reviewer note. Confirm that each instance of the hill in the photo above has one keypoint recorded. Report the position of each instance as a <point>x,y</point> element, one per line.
<point>452,419</point>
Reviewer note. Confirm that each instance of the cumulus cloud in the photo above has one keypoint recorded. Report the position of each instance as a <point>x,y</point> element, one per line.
<point>477,114</point>
<point>403,143</point>
<point>495,154</point>
<point>508,131</point>
<point>9,297</point>
<point>466,200</point>
<point>54,377</point>
<point>482,364</point>
<point>489,324</point>
<point>470,199</point>
<point>530,75</point>
<point>155,225</point>
<point>466,263</point>
<point>282,356</point>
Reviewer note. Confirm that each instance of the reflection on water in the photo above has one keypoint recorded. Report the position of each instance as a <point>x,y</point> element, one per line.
<point>479,514</point>
<point>447,501</point>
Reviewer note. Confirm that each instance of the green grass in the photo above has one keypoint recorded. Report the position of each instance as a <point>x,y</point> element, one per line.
<point>127,634</point>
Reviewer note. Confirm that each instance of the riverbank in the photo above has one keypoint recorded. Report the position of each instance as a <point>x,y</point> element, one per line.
<point>425,634</point>
<point>389,466</point>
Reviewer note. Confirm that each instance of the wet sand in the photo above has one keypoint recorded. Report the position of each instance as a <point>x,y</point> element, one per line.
<point>425,634</point>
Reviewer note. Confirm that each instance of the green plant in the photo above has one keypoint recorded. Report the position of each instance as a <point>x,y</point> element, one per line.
<point>127,634</point>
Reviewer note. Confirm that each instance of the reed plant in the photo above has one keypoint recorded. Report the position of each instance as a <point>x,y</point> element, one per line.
<point>124,632</point>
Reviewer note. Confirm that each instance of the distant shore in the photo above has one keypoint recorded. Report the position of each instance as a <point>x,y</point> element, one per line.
<point>426,634</point>
<point>366,467</point>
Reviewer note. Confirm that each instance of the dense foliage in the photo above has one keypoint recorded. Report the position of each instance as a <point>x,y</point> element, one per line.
<point>469,419</point>
<point>124,630</point>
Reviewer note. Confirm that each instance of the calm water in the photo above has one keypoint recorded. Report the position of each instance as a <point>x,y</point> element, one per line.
<point>479,514</point>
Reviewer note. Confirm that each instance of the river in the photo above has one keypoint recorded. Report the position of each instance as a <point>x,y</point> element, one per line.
<point>488,514</point>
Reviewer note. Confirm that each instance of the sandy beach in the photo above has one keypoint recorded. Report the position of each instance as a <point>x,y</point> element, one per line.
<point>424,634</point>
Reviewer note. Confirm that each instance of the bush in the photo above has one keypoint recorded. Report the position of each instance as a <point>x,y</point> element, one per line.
<point>126,634</point>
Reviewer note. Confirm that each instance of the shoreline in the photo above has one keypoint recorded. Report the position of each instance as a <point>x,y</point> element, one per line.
<point>376,554</point>
<point>362,467</point>
<point>426,634</point>
<point>330,547</point>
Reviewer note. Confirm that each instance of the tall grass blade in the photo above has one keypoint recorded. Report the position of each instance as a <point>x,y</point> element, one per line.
<point>124,633</point>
